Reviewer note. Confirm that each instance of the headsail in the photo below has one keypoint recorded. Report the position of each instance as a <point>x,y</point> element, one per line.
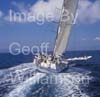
<point>66,22</point>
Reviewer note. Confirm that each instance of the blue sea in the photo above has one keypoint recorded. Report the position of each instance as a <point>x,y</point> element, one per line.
<point>8,60</point>
<point>81,80</point>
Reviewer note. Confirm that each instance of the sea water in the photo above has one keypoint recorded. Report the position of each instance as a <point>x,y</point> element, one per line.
<point>22,80</point>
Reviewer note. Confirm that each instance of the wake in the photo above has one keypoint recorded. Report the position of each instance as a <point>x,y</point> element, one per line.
<point>24,88</point>
<point>43,85</point>
<point>55,85</point>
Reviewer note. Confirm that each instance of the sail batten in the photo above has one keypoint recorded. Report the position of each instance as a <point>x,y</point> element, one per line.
<point>66,22</point>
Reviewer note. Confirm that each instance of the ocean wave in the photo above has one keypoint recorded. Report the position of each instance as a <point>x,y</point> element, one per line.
<point>24,88</point>
<point>63,85</point>
<point>60,85</point>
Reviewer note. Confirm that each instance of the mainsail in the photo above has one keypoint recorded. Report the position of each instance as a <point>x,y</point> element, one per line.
<point>66,22</point>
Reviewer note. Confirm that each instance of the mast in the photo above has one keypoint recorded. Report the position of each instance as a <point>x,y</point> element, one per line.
<point>65,25</point>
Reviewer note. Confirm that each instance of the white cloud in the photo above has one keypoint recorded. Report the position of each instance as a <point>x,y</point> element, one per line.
<point>52,6</point>
<point>22,7</point>
<point>46,10</point>
<point>89,12</point>
<point>97,38</point>
<point>1,13</point>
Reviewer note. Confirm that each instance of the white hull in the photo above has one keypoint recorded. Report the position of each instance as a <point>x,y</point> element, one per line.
<point>49,65</point>
<point>53,68</point>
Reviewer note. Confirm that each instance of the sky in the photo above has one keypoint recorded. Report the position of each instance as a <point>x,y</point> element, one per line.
<point>85,34</point>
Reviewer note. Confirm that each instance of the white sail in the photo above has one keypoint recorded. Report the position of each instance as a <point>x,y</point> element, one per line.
<point>66,22</point>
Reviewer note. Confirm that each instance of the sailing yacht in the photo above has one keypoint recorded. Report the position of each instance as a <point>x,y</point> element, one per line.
<point>56,62</point>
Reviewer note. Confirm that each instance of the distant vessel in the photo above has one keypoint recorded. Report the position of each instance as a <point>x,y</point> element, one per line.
<point>56,63</point>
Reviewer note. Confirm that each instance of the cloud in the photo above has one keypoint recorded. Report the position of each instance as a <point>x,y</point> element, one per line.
<point>1,13</point>
<point>52,6</point>
<point>89,12</point>
<point>1,17</point>
<point>40,10</point>
<point>22,7</point>
<point>18,8</point>
<point>97,38</point>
